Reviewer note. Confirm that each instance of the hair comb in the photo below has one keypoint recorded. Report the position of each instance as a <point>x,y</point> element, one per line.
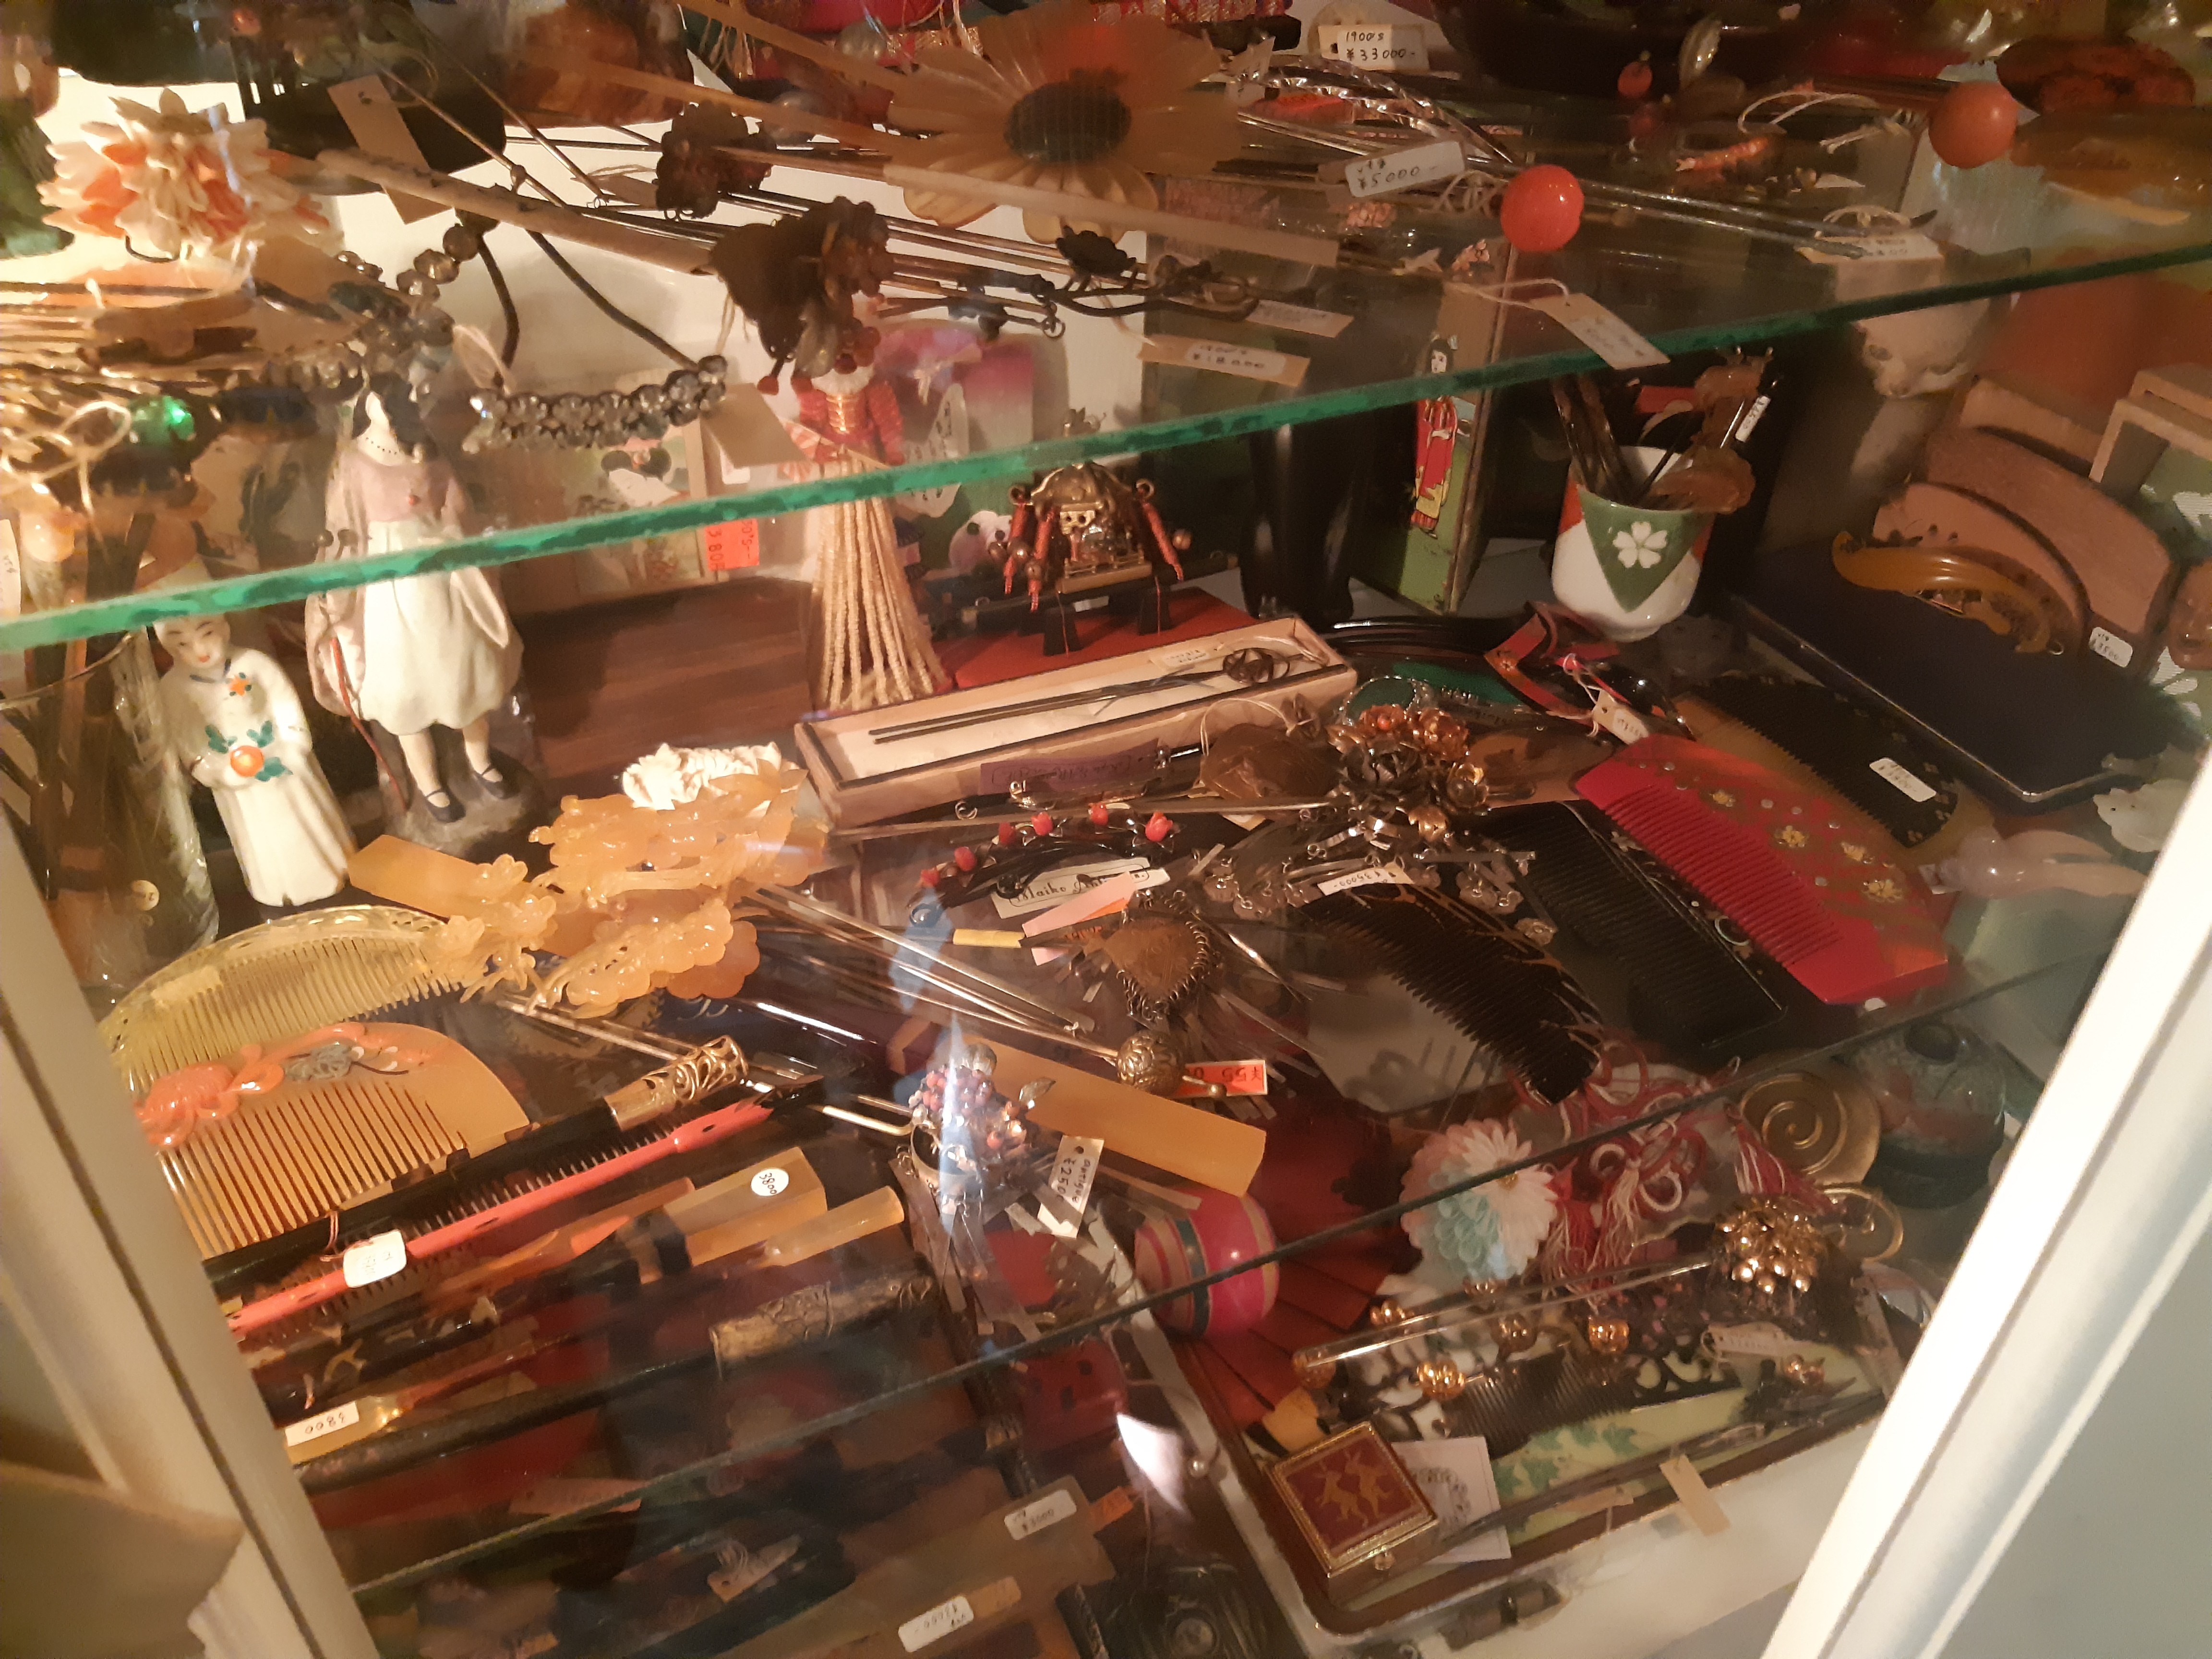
<point>1686,986</point>
<point>1491,982</point>
<point>1781,861</point>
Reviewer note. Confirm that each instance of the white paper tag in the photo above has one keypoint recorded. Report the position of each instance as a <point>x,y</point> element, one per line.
<point>1073,1172</point>
<point>1893,774</point>
<point>1402,169</point>
<point>1187,656</point>
<point>1376,45</point>
<point>1301,319</point>
<point>375,1258</point>
<point>768,1182</point>
<point>1454,1476</point>
<point>1876,249</point>
<point>939,1622</point>
<point>322,1423</point>
<point>1058,886</point>
<point>1610,714</point>
<point>1621,346</point>
<point>1035,1517</point>
<point>743,1568</point>
<point>1247,362</point>
<point>1754,1341</point>
<point>2110,647</point>
<point>1382,875</point>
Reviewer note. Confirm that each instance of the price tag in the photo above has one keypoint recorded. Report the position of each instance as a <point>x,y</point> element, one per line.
<point>1612,714</point>
<point>1891,246</point>
<point>770,1181</point>
<point>1058,886</point>
<point>1246,362</point>
<point>322,1423</point>
<point>1072,1173</point>
<point>1697,1498</point>
<point>1894,775</point>
<point>1301,319</point>
<point>1753,1341</point>
<point>730,546</point>
<point>375,1258</point>
<point>2110,647</point>
<point>1035,1517</point>
<point>987,939</point>
<point>1378,175</point>
<point>1381,875</point>
<point>939,1622</point>
<point>1621,346</point>
<point>1376,45</point>
<point>1236,1077</point>
<point>380,130</point>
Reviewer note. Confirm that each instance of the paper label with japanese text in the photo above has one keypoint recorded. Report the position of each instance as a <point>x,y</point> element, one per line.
<point>1599,329</point>
<point>373,1259</point>
<point>1222,357</point>
<point>1300,319</point>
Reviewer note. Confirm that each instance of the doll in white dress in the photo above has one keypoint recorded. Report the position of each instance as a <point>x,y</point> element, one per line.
<point>416,652</point>
<point>237,728</point>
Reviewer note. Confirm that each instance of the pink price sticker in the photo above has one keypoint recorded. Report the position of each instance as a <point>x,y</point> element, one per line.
<point>1236,1077</point>
<point>730,546</point>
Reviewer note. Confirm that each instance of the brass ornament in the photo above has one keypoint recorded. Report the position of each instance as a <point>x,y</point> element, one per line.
<point>1440,1379</point>
<point>1867,1225</point>
<point>1150,1060</point>
<point>1773,1249</point>
<point>1822,1122</point>
<point>1513,1333</point>
<point>1608,1335</point>
<point>1386,1312</point>
<point>1160,959</point>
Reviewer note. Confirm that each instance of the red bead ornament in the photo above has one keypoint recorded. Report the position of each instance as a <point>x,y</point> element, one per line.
<point>1041,823</point>
<point>1006,832</point>
<point>1158,827</point>
<point>965,858</point>
<point>1099,815</point>
<point>1974,124</point>
<point>1635,82</point>
<point>931,876</point>
<point>1541,210</point>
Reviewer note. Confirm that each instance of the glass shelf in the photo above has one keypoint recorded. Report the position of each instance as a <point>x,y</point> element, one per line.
<point>1687,287</point>
<point>903,1372</point>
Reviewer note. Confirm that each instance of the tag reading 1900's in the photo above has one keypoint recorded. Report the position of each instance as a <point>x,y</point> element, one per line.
<point>1621,346</point>
<point>1376,45</point>
<point>373,1259</point>
<point>1378,175</point>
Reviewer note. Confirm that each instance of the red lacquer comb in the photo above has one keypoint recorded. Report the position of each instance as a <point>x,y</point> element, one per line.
<point>1796,870</point>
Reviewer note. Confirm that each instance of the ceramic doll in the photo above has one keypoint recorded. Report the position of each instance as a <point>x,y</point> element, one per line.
<point>416,652</point>
<point>236,725</point>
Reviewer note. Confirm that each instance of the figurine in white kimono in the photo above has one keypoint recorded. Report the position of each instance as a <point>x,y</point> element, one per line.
<point>416,652</point>
<point>237,728</point>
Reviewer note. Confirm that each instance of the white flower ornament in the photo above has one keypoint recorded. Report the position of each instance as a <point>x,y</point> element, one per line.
<point>1640,543</point>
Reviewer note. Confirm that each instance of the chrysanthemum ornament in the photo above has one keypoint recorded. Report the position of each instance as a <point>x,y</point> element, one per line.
<point>172,181</point>
<point>1490,1231</point>
<point>1063,100</point>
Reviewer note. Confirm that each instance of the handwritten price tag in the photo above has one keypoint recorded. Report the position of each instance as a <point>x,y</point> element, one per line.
<point>1236,1077</point>
<point>1892,245</point>
<point>1300,319</point>
<point>375,1258</point>
<point>1621,346</point>
<point>1247,362</point>
<point>939,1622</point>
<point>1376,45</point>
<point>1072,1173</point>
<point>2110,647</point>
<point>1378,175</point>
<point>1382,875</point>
<point>1035,1517</point>
<point>322,1423</point>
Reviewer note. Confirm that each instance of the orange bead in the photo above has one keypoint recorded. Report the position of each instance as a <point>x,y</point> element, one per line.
<point>1541,210</point>
<point>1974,124</point>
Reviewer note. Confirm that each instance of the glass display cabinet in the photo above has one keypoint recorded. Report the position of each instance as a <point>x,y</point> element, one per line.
<point>902,831</point>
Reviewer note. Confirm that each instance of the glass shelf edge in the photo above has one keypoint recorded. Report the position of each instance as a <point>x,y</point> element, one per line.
<point>523,543</point>
<point>1967,996</point>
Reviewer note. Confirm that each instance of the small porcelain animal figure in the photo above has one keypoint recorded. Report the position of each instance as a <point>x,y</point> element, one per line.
<point>416,652</point>
<point>237,728</point>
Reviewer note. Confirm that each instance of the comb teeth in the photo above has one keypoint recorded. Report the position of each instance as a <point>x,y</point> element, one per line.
<point>1842,745</point>
<point>1736,870</point>
<point>1487,980</point>
<point>1685,985</point>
